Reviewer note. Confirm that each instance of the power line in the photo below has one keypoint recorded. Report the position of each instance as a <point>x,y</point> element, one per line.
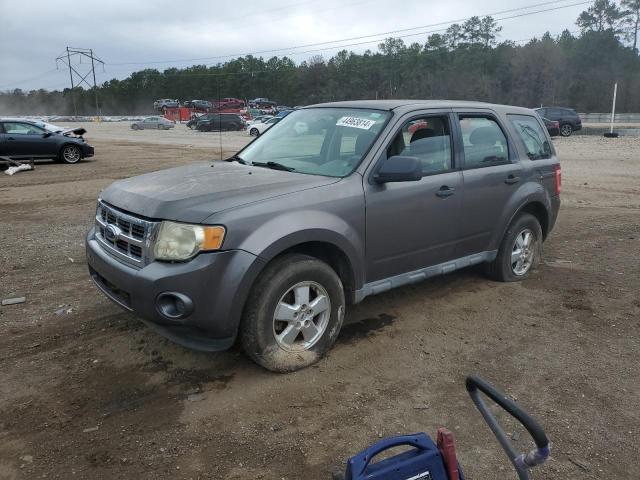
<point>391,32</point>
<point>37,77</point>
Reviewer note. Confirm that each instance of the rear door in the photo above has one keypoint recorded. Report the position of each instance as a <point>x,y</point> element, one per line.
<point>413,225</point>
<point>491,173</point>
<point>533,140</point>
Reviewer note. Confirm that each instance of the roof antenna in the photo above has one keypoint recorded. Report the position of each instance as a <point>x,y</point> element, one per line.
<point>219,117</point>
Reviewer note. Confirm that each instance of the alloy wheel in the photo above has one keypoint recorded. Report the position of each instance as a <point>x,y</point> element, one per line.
<point>522,253</point>
<point>301,316</point>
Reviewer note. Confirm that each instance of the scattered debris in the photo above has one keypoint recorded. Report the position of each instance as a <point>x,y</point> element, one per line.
<point>90,429</point>
<point>19,168</point>
<point>27,458</point>
<point>13,301</point>
<point>581,464</point>
<point>196,397</point>
<point>62,309</point>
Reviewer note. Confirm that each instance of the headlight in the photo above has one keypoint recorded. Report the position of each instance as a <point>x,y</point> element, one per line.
<point>181,241</point>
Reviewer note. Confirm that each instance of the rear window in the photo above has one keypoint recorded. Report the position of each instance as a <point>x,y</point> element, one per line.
<point>532,135</point>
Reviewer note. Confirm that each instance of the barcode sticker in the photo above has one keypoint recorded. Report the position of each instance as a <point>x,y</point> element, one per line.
<point>356,122</point>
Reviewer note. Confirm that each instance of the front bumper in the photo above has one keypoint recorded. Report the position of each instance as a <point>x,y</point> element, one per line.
<point>217,283</point>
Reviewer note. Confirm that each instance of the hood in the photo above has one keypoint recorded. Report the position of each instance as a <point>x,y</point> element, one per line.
<point>194,192</point>
<point>79,131</point>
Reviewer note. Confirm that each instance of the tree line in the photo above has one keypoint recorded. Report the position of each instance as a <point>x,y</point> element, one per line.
<point>465,62</point>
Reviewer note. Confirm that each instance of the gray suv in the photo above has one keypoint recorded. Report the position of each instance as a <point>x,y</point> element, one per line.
<point>334,203</point>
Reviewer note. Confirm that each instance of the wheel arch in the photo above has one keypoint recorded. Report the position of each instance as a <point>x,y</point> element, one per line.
<point>538,210</point>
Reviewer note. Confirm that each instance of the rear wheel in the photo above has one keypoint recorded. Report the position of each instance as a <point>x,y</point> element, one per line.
<point>294,313</point>
<point>70,154</point>
<point>519,252</point>
<point>134,127</point>
<point>566,129</point>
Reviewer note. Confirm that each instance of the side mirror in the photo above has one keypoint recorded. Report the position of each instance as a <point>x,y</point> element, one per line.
<point>46,134</point>
<point>399,168</point>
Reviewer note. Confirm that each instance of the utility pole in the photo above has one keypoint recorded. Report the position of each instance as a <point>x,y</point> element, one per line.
<point>77,78</point>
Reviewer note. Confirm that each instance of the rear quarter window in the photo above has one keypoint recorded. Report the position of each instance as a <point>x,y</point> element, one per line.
<point>531,133</point>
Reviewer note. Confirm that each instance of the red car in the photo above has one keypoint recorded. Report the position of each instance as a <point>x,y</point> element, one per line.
<point>229,103</point>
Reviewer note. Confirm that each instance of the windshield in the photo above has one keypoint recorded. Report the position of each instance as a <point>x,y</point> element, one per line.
<point>318,141</point>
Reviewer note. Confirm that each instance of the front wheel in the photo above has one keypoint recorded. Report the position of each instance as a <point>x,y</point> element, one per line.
<point>294,313</point>
<point>519,252</point>
<point>70,154</point>
<point>566,130</point>
<point>254,132</point>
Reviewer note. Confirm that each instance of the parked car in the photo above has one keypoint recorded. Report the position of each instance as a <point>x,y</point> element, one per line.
<point>220,121</point>
<point>201,104</point>
<point>155,122</point>
<point>262,103</point>
<point>260,119</point>
<point>568,118</point>
<point>165,103</point>
<point>271,246</point>
<point>553,127</point>
<point>230,103</point>
<point>257,129</point>
<point>196,118</point>
<point>25,140</point>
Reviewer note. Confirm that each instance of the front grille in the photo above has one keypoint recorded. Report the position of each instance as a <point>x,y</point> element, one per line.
<point>124,236</point>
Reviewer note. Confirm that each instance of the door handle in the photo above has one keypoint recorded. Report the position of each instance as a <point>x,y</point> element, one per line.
<point>10,138</point>
<point>445,192</point>
<point>511,179</point>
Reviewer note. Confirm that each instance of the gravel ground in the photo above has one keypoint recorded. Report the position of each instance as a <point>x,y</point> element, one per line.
<point>86,391</point>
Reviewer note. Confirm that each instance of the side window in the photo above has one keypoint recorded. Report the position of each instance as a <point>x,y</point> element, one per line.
<point>22,129</point>
<point>429,140</point>
<point>484,142</point>
<point>532,135</point>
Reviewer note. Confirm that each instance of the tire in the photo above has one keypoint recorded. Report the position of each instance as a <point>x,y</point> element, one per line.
<point>134,127</point>
<point>311,333</point>
<point>504,268</point>
<point>70,154</point>
<point>254,132</point>
<point>566,129</point>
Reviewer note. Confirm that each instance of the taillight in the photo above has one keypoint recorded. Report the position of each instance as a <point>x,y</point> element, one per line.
<point>558,178</point>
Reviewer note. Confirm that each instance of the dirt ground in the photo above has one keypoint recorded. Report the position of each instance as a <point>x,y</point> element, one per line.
<point>86,391</point>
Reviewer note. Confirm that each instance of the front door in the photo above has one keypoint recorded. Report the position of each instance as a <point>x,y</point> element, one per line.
<point>25,140</point>
<point>412,225</point>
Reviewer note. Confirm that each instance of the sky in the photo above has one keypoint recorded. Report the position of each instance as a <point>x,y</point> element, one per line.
<point>130,35</point>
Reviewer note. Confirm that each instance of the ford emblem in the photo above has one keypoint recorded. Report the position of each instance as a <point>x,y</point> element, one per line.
<point>112,233</point>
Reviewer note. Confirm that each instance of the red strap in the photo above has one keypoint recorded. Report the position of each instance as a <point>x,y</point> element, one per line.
<point>447,448</point>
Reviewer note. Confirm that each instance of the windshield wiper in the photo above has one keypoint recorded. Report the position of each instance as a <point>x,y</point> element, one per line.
<point>236,158</point>
<point>274,166</point>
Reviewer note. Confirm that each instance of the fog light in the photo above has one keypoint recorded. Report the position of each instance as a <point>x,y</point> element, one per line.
<point>174,306</point>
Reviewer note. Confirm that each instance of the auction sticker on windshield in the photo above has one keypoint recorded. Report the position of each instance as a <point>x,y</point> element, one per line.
<point>355,122</point>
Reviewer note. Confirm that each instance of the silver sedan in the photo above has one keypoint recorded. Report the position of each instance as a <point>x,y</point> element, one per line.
<point>156,122</point>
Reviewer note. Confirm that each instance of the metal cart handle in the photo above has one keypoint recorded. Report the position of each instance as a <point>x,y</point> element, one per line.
<point>521,462</point>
